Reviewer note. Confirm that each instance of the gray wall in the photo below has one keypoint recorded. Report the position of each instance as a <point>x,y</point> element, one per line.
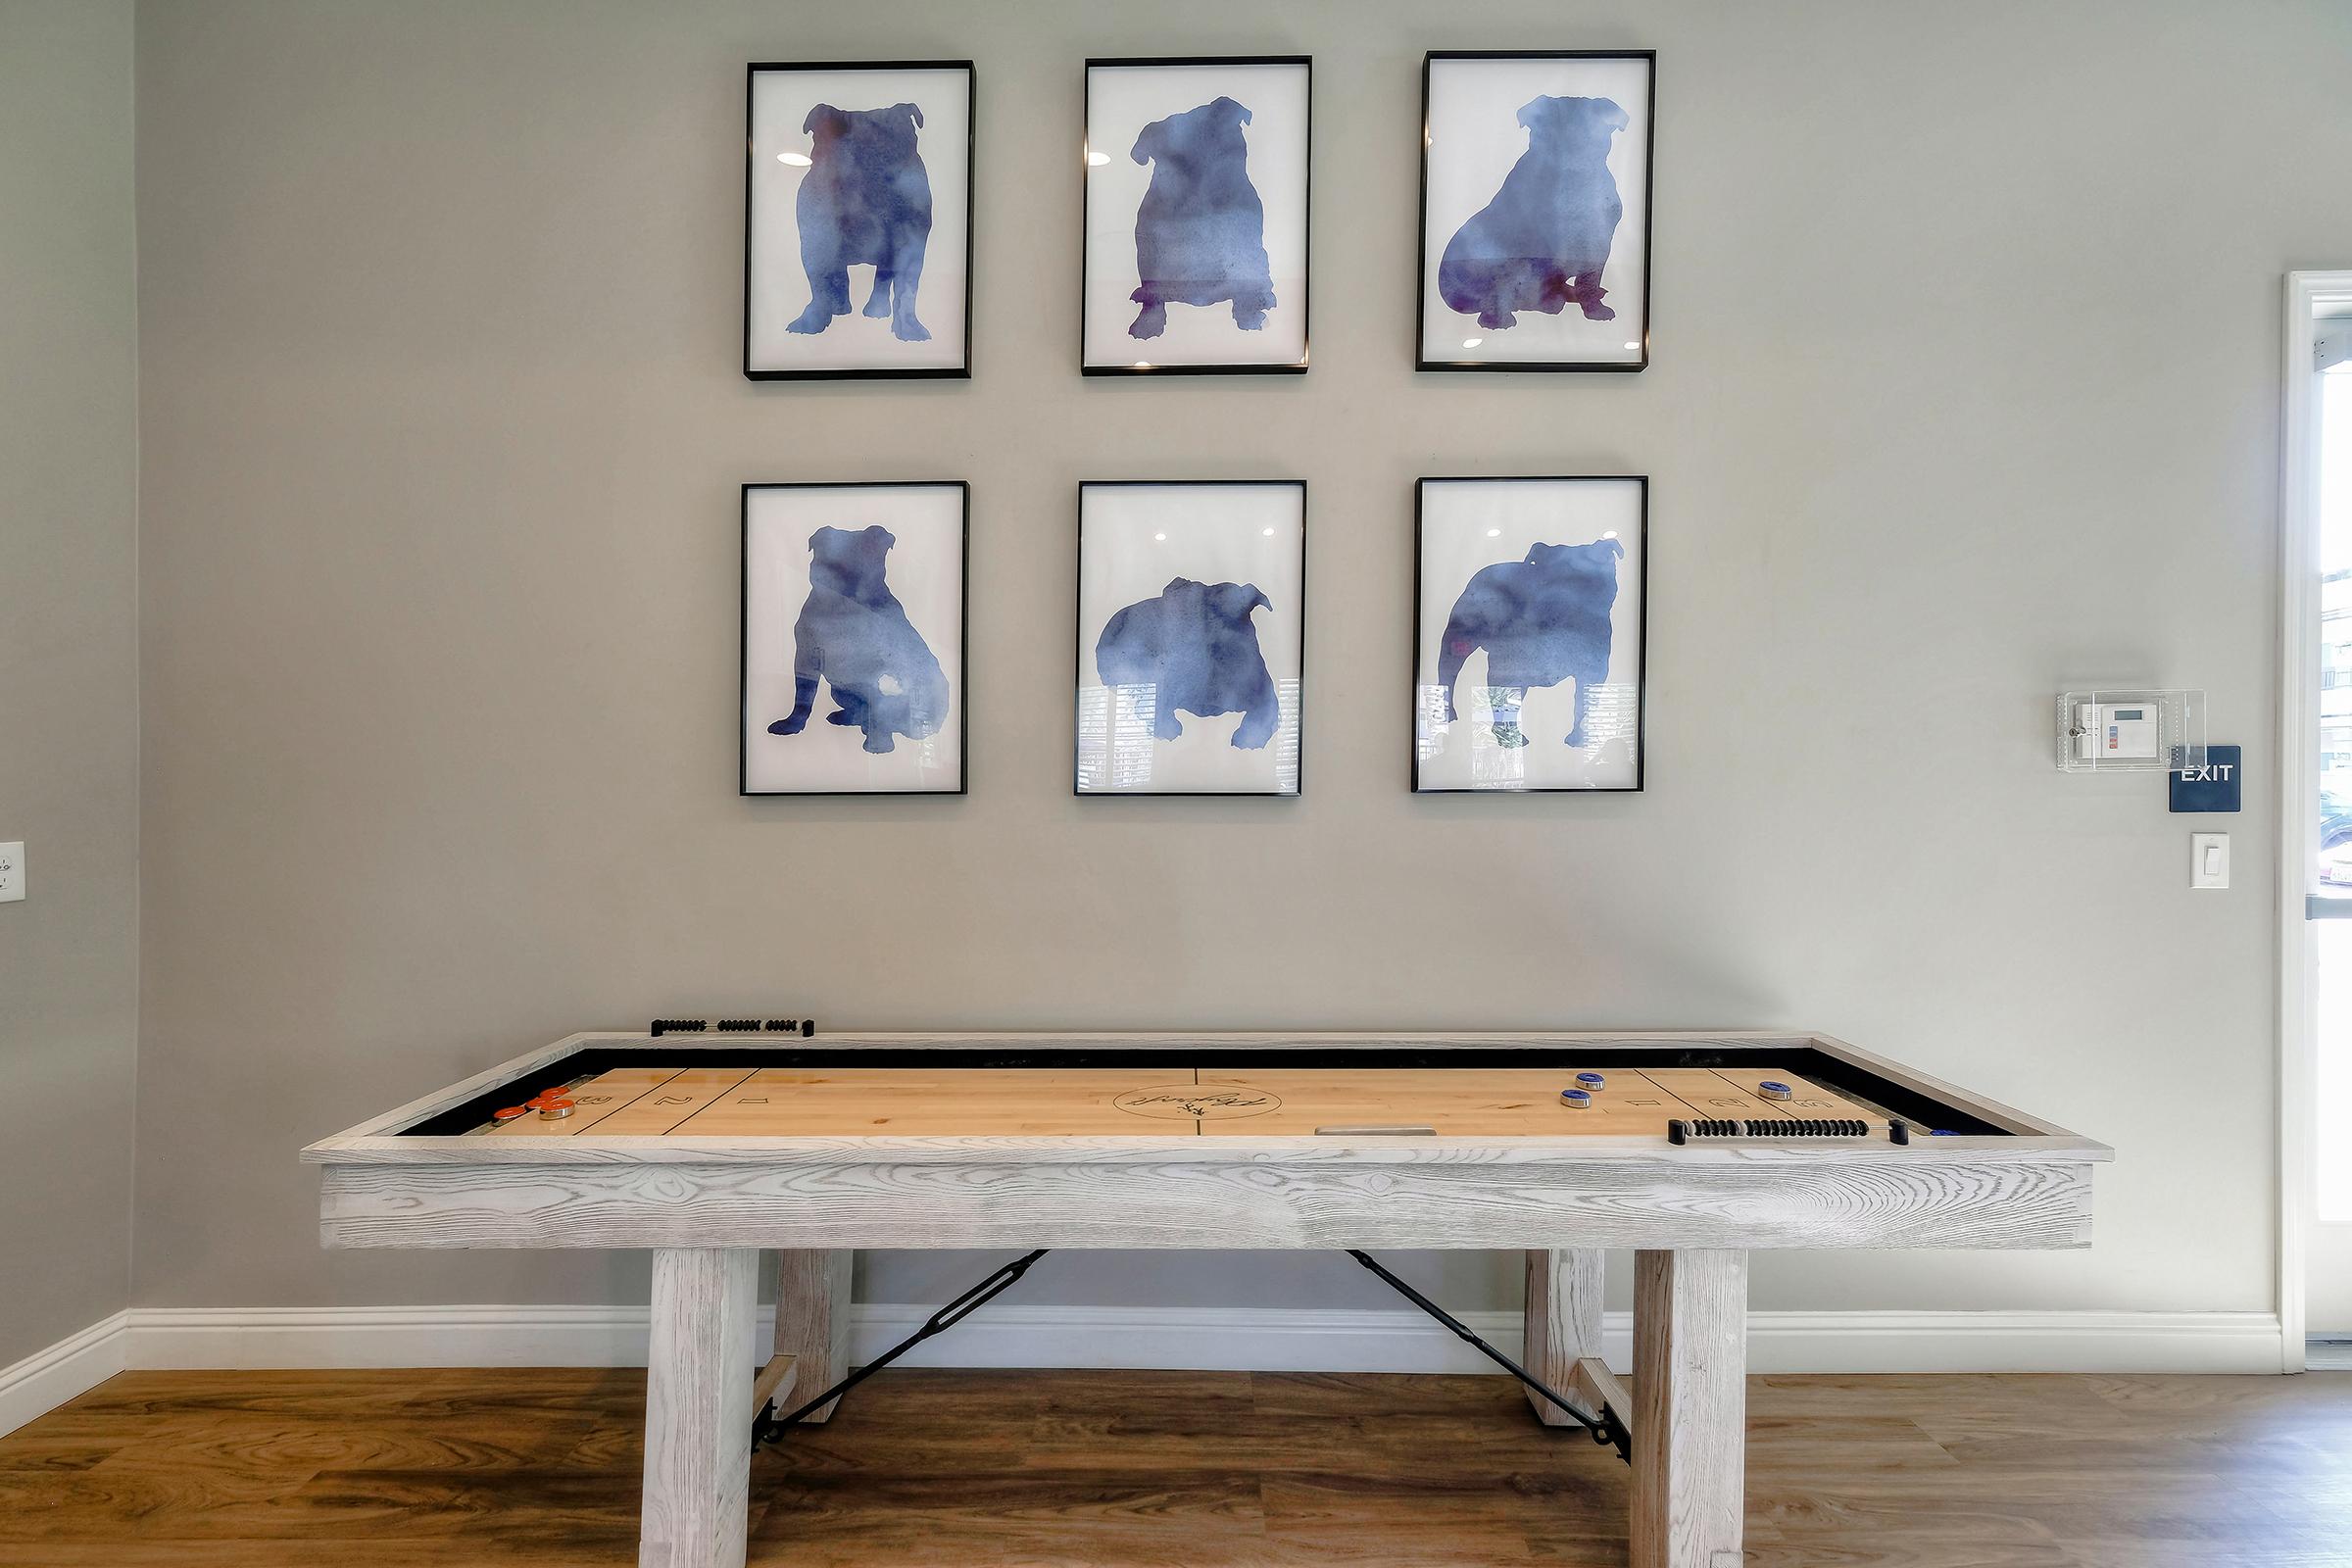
<point>1964,390</point>
<point>68,651</point>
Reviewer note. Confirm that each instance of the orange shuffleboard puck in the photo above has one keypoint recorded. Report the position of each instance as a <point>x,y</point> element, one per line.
<point>510,1114</point>
<point>554,1108</point>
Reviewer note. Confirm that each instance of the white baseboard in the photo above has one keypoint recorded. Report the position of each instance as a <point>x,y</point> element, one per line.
<point>180,1339</point>
<point>1196,1338</point>
<point>1212,1338</point>
<point>2004,1341</point>
<point>74,1365</point>
<point>1406,1341</point>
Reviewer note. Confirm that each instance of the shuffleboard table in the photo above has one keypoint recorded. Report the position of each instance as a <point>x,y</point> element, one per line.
<point>712,1146</point>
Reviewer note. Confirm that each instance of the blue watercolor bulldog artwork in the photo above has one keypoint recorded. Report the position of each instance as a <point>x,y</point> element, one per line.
<point>854,635</point>
<point>1529,645</point>
<point>858,221</point>
<point>1199,234</point>
<point>1541,620</point>
<point>1196,207</point>
<point>1195,648</point>
<point>1543,240</point>
<point>1190,637</point>
<point>853,613</point>
<point>1535,230</point>
<point>865,201</point>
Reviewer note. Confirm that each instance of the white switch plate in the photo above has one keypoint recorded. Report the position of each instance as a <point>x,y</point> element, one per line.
<point>11,872</point>
<point>2209,859</point>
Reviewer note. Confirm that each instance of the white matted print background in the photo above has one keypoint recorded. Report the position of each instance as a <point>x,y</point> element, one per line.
<point>1120,101</point>
<point>1473,139</point>
<point>1467,524</point>
<point>1133,540</point>
<point>925,572</point>
<point>779,288</point>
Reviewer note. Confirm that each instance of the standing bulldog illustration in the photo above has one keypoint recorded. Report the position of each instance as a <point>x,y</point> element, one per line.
<point>1541,620</point>
<point>865,201</point>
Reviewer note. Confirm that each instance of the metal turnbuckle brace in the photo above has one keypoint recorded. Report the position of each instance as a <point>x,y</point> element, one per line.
<point>770,1429</point>
<point>1608,1427</point>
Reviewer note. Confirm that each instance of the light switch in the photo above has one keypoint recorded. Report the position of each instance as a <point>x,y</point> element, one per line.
<point>11,872</point>
<point>2209,859</point>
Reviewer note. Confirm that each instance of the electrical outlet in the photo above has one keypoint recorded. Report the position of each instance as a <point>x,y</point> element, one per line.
<point>11,872</point>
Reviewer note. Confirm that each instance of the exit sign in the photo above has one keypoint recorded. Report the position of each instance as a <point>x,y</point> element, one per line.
<point>2209,786</point>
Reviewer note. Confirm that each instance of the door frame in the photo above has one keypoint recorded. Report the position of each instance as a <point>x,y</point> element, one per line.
<point>2298,798</point>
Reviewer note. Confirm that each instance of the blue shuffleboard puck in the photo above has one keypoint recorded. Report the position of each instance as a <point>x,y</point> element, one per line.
<point>1575,1098</point>
<point>1590,1080</point>
<point>1774,1089</point>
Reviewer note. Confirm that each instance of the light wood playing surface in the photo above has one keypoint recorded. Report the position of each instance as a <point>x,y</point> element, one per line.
<point>1133,1103</point>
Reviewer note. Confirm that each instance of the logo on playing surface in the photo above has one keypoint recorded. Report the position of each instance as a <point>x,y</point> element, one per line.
<point>1198,1102</point>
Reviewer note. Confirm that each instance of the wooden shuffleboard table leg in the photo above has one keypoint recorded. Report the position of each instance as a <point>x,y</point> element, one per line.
<point>1689,1407</point>
<point>1563,1323</point>
<point>698,1408</point>
<point>813,1320</point>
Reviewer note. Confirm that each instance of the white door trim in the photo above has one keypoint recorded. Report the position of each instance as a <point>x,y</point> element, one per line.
<point>2298,795</point>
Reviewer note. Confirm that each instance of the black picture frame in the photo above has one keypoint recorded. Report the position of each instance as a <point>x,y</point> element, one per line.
<point>1087,366</point>
<point>1418,646</point>
<point>963,648</point>
<point>1078,642</point>
<point>1421,282</point>
<point>879,372</point>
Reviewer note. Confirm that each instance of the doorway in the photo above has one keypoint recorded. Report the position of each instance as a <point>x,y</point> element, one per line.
<point>2315,823</point>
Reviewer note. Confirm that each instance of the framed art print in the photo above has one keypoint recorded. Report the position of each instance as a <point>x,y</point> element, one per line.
<point>854,638</point>
<point>1195,202</point>
<point>1190,625</point>
<point>857,221</point>
<point>1530,603</point>
<point>1535,211</point>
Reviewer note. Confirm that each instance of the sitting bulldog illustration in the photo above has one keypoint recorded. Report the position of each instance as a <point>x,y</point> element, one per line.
<point>1541,620</point>
<point>1195,647</point>
<point>854,635</point>
<point>866,200</point>
<point>1546,236</point>
<point>1201,232</point>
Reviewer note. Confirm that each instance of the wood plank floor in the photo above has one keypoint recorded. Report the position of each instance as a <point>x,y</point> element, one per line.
<point>449,1468</point>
